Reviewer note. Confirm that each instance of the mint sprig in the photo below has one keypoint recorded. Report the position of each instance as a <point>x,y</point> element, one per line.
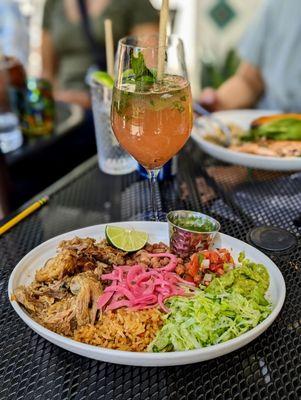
<point>138,73</point>
<point>139,67</point>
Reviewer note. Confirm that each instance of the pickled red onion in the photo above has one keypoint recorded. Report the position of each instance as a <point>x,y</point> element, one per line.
<point>139,287</point>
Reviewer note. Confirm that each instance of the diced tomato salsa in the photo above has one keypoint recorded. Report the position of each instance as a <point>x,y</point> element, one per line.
<point>206,264</point>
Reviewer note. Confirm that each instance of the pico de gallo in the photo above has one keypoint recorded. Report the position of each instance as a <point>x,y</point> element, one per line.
<point>205,265</point>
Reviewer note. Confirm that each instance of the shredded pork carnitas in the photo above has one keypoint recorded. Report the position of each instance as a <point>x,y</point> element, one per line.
<point>63,297</point>
<point>64,294</point>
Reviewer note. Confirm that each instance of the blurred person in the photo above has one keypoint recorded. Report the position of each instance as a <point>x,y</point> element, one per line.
<point>73,39</point>
<point>14,38</point>
<point>269,75</point>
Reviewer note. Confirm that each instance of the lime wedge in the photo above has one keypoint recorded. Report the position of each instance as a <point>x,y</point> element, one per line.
<point>103,78</point>
<point>125,239</point>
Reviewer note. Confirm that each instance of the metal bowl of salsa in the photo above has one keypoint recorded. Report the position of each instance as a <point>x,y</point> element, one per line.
<point>190,232</point>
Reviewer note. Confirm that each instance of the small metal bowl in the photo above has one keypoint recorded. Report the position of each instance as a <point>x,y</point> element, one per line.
<point>185,242</point>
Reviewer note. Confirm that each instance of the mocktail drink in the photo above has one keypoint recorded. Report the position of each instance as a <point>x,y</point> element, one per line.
<point>153,121</point>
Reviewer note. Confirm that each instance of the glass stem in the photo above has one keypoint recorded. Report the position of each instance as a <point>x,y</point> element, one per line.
<point>152,177</point>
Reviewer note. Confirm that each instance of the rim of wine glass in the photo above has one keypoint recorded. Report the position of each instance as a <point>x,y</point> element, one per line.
<point>135,46</point>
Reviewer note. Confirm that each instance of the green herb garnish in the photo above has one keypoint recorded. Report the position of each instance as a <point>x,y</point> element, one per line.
<point>178,106</point>
<point>195,224</point>
<point>121,101</point>
<point>139,68</point>
<point>139,74</point>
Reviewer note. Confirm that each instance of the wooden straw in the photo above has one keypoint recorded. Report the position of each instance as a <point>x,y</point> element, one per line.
<point>162,38</point>
<point>109,47</point>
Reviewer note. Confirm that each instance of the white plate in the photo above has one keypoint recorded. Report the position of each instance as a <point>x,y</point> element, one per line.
<point>23,274</point>
<point>243,118</point>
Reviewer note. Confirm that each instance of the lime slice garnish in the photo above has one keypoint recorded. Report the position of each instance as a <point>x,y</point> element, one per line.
<point>126,239</point>
<point>103,78</point>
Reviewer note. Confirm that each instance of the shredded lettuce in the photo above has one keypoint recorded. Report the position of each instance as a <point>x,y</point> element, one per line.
<point>230,306</point>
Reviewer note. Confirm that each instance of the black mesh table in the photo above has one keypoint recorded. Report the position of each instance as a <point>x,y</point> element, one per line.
<point>268,368</point>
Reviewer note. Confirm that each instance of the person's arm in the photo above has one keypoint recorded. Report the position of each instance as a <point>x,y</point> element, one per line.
<point>247,85</point>
<point>49,62</point>
<point>48,53</point>
<point>242,90</point>
<point>72,96</point>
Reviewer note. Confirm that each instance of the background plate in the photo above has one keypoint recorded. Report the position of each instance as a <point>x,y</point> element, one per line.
<point>24,272</point>
<point>243,118</point>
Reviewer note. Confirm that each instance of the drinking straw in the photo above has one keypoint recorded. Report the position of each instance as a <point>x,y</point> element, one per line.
<point>19,217</point>
<point>162,38</point>
<point>109,47</point>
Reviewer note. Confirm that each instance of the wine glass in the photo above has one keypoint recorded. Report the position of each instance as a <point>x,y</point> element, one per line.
<point>151,116</point>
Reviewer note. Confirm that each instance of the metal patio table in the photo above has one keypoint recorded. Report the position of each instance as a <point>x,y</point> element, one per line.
<point>267,368</point>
